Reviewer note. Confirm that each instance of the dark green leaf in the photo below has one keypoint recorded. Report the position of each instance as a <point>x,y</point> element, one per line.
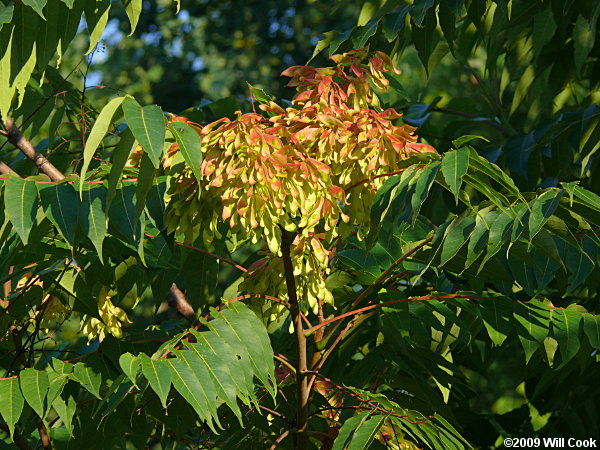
<point>88,378</point>
<point>61,205</point>
<point>497,315</point>
<point>454,166</point>
<point>566,329</point>
<point>20,202</point>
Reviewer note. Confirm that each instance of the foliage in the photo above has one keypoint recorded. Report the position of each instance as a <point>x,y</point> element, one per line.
<point>352,287</point>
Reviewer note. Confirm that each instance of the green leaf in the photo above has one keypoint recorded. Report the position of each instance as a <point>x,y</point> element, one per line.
<point>541,209</point>
<point>591,325</point>
<point>454,166</point>
<point>37,5</point>
<point>57,383</point>
<point>11,402</point>
<point>497,316</point>
<point>425,37</point>
<point>393,23</point>
<point>88,378</point>
<point>61,205</point>
<point>93,217</point>
<point>6,14</point>
<point>242,328</point>
<point>34,385</point>
<point>130,365</point>
<point>457,234</point>
<point>461,141</point>
<point>534,320</point>
<point>364,33</point>
<point>499,232</point>
<point>69,3</point>
<point>584,35</point>
<point>523,87</point>
<point>365,433</point>
<point>66,412</point>
<point>159,375</point>
<point>566,329</point>
<point>20,203</point>
<point>189,145</point>
<point>119,158</point>
<point>133,9</point>
<point>191,389</point>
<point>96,16</point>
<point>148,126</point>
<point>99,130</point>
<point>146,177</point>
<point>208,391</point>
<point>344,437</point>
<point>419,9</point>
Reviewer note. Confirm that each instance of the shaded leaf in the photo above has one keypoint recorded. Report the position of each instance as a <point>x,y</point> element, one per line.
<point>20,203</point>
<point>61,205</point>
<point>497,314</point>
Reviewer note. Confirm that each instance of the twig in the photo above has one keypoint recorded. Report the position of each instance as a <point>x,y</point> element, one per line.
<point>301,362</point>
<point>16,138</point>
<point>44,437</point>
<point>279,439</point>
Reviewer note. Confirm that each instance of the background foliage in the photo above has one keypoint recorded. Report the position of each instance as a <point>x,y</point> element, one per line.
<point>468,314</point>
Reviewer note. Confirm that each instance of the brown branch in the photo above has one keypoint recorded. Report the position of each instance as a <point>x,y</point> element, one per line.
<point>301,362</point>
<point>16,138</point>
<point>44,436</point>
<point>19,440</point>
<point>5,169</point>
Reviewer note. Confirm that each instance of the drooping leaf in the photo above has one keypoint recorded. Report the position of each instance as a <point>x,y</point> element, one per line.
<point>61,205</point>
<point>93,217</point>
<point>66,411</point>
<point>20,203</point>
<point>37,5</point>
<point>541,209</point>
<point>11,402</point>
<point>146,178</point>
<point>99,130</point>
<point>591,325</point>
<point>189,145</point>
<point>534,318</point>
<point>191,388</point>
<point>133,9</point>
<point>34,386</point>
<point>88,378</point>
<point>365,433</point>
<point>130,365</point>
<point>454,166</point>
<point>157,372</point>
<point>148,126</point>
<point>566,329</point>
<point>497,314</point>
<point>120,156</point>
<point>344,437</point>
<point>456,236</point>
<point>96,16</point>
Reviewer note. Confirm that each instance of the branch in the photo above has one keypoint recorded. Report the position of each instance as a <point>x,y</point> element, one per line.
<point>16,138</point>
<point>44,436</point>
<point>301,362</point>
<point>5,169</point>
